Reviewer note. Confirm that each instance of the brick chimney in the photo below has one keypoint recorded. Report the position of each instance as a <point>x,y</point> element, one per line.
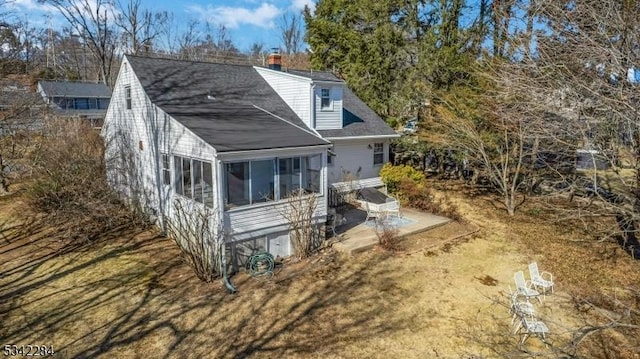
<point>275,60</point>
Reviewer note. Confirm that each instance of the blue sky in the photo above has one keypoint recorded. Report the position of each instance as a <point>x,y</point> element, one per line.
<point>248,21</point>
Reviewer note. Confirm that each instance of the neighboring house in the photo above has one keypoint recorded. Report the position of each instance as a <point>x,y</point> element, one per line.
<point>82,99</point>
<point>237,139</point>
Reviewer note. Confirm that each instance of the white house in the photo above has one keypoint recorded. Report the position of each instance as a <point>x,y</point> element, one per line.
<point>237,139</point>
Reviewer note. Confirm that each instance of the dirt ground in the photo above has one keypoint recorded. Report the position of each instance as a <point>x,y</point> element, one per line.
<point>441,296</point>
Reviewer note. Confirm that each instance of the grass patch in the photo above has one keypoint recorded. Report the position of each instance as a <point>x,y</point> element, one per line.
<point>135,297</point>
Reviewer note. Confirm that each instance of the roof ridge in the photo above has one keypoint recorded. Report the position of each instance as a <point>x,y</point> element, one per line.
<point>189,61</point>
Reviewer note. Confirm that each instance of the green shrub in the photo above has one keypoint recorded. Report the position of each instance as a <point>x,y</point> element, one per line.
<point>393,175</point>
<point>419,196</point>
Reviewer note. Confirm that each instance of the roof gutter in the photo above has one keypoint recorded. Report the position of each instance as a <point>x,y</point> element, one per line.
<point>267,152</point>
<point>362,137</point>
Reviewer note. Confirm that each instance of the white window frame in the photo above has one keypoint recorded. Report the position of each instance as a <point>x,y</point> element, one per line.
<point>276,192</point>
<point>127,97</point>
<point>378,150</point>
<point>178,179</point>
<point>325,94</point>
<point>166,171</point>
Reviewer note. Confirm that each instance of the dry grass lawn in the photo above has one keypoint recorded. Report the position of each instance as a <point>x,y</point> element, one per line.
<point>132,296</point>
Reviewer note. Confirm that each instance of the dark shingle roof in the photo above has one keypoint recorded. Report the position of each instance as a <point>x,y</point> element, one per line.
<point>358,119</point>
<point>239,118</point>
<point>75,89</point>
<point>315,75</point>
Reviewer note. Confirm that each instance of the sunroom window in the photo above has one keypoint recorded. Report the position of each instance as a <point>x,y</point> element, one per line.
<point>194,179</point>
<point>251,182</point>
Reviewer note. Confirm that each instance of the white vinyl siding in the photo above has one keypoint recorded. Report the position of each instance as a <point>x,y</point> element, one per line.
<point>293,91</point>
<point>248,221</point>
<point>328,118</point>
<point>355,160</point>
<point>136,140</point>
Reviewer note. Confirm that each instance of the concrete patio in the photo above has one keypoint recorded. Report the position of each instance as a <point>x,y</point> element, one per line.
<point>356,236</point>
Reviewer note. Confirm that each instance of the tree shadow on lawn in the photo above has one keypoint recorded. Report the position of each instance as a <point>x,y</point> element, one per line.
<point>136,297</point>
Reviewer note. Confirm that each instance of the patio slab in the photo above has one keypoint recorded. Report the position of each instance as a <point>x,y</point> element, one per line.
<point>355,236</point>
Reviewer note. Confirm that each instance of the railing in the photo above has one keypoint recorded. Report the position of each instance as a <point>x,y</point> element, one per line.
<point>336,198</point>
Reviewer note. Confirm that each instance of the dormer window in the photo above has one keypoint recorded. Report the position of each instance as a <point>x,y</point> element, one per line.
<point>325,100</point>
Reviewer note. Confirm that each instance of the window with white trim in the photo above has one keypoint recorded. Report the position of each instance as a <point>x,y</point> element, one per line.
<point>378,153</point>
<point>194,179</point>
<point>251,182</point>
<point>325,100</point>
<point>127,96</point>
<point>166,169</point>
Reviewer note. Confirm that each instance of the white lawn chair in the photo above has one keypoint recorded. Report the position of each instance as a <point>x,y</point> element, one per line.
<point>392,207</point>
<point>518,310</point>
<point>540,280</point>
<point>374,210</point>
<point>530,325</point>
<point>523,287</point>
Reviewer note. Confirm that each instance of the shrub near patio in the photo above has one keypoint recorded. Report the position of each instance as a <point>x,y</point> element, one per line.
<point>412,189</point>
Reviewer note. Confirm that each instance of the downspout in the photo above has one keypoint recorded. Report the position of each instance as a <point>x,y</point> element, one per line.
<point>225,277</point>
<point>312,115</point>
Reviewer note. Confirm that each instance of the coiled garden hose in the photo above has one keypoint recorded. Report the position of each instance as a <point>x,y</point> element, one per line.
<point>261,264</point>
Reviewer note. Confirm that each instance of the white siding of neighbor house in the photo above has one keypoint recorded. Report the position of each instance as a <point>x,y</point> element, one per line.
<point>328,119</point>
<point>293,90</point>
<point>260,219</point>
<point>354,159</point>
<point>135,140</point>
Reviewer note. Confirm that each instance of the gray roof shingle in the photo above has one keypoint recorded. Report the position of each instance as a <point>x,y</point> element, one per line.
<point>75,89</point>
<point>315,75</point>
<point>229,106</point>
<point>358,119</point>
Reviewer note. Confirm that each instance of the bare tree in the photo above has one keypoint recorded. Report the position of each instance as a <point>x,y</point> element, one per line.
<point>198,232</point>
<point>257,53</point>
<point>93,21</point>
<point>140,28</point>
<point>20,112</point>
<point>291,33</point>
<point>303,226</point>
<point>188,41</point>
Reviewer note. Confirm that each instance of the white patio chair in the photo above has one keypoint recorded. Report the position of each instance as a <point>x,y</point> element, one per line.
<point>392,207</point>
<point>373,211</point>
<point>523,287</point>
<point>540,280</point>
<point>518,310</point>
<point>530,325</point>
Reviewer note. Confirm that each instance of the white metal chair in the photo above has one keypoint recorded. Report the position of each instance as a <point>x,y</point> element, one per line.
<point>530,325</point>
<point>374,210</point>
<point>518,310</point>
<point>540,280</point>
<point>524,288</point>
<point>392,207</point>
